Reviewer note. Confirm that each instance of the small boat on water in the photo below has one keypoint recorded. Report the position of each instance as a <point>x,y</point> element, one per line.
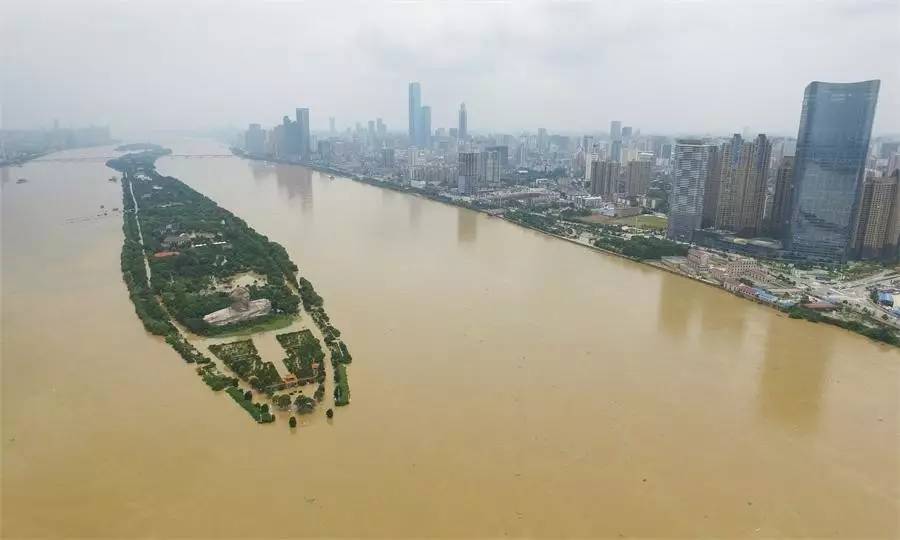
<point>331,177</point>
<point>113,179</point>
<point>21,180</point>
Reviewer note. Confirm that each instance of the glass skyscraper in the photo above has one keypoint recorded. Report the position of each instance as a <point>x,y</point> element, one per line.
<point>832,144</point>
<point>415,113</point>
<point>689,177</point>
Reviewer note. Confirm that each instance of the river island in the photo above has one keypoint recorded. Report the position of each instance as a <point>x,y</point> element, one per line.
<point>203,279</point>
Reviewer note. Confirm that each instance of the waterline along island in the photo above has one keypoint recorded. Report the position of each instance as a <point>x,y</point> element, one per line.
<point>202,278</point>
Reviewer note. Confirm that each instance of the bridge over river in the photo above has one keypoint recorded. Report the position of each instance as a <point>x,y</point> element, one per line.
<point>103,159</point>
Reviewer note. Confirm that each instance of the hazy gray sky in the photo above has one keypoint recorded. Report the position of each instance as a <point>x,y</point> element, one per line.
<point>662,66</point>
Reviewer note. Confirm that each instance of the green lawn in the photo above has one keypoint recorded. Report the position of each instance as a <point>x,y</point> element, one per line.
<point>644,221</point>
<point>275,322</point>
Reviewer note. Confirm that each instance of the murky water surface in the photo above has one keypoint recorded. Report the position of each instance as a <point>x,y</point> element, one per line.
<point>504,383</point>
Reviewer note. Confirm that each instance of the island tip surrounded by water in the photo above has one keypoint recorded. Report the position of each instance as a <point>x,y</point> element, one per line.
<point>200,277</point>
<point>141,147</point>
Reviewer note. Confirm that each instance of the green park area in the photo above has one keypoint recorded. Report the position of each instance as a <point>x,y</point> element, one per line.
<point>182,259</point>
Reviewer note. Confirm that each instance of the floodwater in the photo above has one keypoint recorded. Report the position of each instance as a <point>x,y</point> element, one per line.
<point>504,384</point>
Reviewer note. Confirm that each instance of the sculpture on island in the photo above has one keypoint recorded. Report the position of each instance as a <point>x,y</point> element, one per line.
<point>240,299</point>
<point>241,309</point>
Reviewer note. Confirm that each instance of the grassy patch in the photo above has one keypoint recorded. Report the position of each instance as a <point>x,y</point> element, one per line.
<point>643,221</point>
<point>341,385</point>
<point>272,322</point>
<point>861,269</point>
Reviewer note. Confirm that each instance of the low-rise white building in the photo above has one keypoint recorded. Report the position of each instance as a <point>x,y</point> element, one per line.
<point>698,259</point>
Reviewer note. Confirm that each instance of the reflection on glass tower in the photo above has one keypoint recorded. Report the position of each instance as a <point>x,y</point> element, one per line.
<point>793,375</point>
<point>832,144</point>
<point>466,225</point>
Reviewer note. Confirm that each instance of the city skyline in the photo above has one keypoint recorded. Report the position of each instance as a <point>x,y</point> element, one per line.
<point>627,44</point>
<point>739,185</point>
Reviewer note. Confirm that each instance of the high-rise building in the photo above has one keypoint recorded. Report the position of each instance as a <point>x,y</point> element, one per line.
<point>381,128</point>
<point>656,143</point>
<point>424,127</point>
<point>735,157</point>
<point>689,175</point>
<point>489,167</point>
<point>711,188</point>
<point>415,103</point>
<point>462,131</point>
<point>279,140</point>
<point>325,149</point>
<point>587,144</point>
<point>665,151</point>
<point>888,149</point>
<point>752,202</point>
<point>387,157</point>
<point>412,163</point>
<point>615,130</point>
<point>615,151</point>
<point>289,143</point>
<point>255,140</point>
<point>638,178</point>
<point>876,209</point>
<point>893,163</point>
<point>626,133</point>
<point>542,139</point>
<point>604,178</point>
<point>467,172</point>
<point>589,159</point>
<point>503,153</point>
<point>522,154</point>
<point>779,219</point>
<point>371,133</point>
<point>742,188</point>
<point>832,145</point>
<point>892,235</point>
<point>331,128</point>
<point>303,142</point>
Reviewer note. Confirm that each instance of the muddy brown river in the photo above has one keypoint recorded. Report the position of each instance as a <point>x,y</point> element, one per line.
<point>504,384</point>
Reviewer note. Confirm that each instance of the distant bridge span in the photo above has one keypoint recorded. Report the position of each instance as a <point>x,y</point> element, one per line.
<point>104,159</point>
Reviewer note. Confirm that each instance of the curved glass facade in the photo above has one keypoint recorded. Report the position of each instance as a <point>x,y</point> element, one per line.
<point>832,144</point>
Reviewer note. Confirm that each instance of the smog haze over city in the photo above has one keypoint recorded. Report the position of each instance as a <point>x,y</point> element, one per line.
<point>671,67</point>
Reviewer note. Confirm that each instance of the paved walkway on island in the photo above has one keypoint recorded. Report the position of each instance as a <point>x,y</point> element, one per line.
<point>140,233</point>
